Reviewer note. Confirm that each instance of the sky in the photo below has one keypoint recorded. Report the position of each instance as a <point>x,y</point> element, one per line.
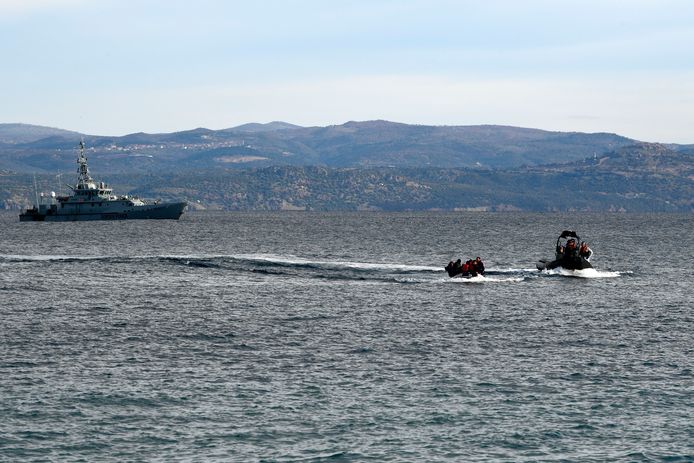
<point>112,67</point>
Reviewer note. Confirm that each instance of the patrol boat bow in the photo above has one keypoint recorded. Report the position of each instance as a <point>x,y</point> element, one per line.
<point>95,201</point>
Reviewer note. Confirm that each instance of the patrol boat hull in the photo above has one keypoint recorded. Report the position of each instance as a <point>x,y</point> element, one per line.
<point>171,211</point>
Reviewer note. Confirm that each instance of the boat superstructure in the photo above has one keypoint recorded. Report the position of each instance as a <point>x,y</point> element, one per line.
<point>92,200</point>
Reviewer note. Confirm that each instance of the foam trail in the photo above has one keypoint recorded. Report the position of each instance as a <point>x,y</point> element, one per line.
<point>48,258</point>
<point>486,279</point>
<point>377,266</point>
<point>584,273</point>
<point>512,270</point>
<point>336,264</point>
<point>270,259</point>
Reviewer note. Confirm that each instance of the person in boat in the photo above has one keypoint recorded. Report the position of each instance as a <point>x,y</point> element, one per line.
<point>479,266</point>
<point>585,251</point>
<point>466,268</point>
<point>449,268</point>
<point>570,250</point>
<point>559,251</point>
<point>575,256</point>
<point>453,268</point>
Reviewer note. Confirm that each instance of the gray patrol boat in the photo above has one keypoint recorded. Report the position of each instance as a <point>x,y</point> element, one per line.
<point>95,201</point>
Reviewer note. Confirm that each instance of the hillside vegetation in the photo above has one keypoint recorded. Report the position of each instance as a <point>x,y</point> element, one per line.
<point>369,166</point>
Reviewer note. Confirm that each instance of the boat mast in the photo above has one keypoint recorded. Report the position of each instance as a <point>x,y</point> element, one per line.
<point>83,179</point>
<point>36,191</point>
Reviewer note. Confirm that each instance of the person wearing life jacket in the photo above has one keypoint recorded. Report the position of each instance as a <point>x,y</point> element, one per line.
<point>472,267</point>
<point>466,268</point>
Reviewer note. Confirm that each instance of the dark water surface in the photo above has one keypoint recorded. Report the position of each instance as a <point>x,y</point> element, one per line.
<point>338,337</point>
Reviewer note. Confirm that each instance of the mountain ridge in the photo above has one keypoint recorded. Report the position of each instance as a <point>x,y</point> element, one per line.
<point>352,144</point>
<point>14,133</point>
<point>367,165</point>
<point>645,177</point>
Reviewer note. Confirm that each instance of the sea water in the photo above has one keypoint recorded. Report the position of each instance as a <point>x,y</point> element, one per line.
<point>339,337</point>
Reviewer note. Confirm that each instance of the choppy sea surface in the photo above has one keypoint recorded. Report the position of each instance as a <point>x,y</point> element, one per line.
<point>339,337</point>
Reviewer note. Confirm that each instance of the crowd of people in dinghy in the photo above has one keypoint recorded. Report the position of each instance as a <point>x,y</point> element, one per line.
<point>472,268</point>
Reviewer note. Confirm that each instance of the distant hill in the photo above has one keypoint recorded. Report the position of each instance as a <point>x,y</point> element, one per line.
<point>384,143</point>
<point>12,134</point>
<point>643,177</point>
<point>350,145</point>
<point>642,159</point>
<point>269,127</point>
<point>377,165</point>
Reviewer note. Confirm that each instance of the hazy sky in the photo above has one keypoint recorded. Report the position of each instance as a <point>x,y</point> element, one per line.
<point>114,67</point>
